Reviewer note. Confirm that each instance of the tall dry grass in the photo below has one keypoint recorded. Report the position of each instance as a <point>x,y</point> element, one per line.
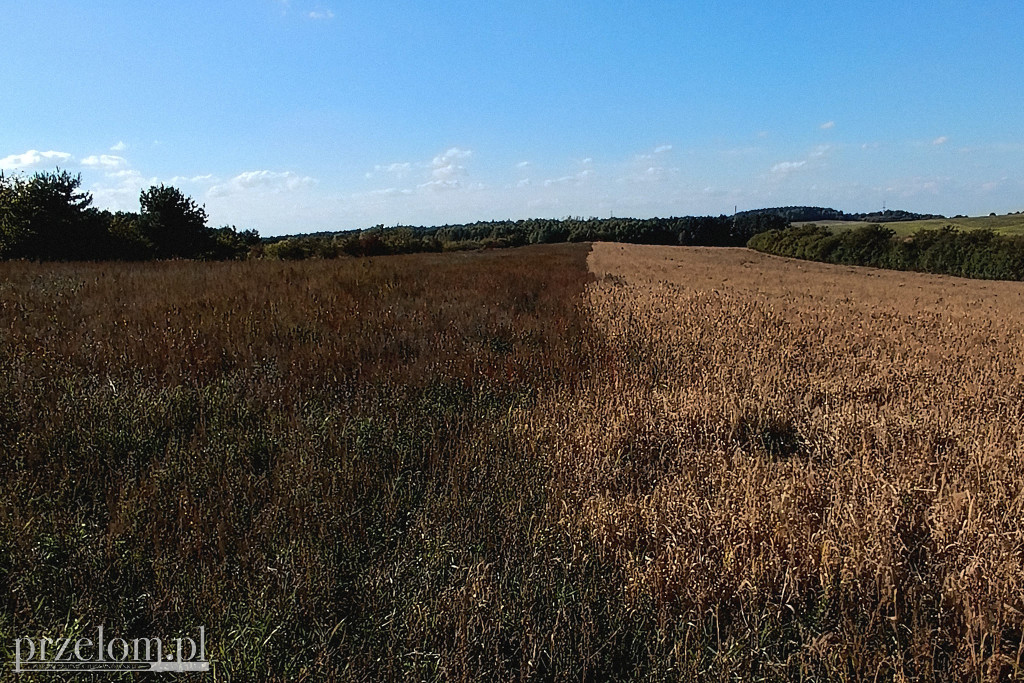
<point>810,472</point>
<point>315,461</point>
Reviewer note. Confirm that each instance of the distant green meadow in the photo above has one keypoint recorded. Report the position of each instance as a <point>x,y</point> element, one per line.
<point>1009,224</point>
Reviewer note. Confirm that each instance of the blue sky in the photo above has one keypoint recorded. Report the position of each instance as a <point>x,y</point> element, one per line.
<point>302,115</point>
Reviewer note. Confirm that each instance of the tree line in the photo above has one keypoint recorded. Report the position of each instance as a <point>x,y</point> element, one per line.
<point>47,217</point>
<point>710,231</point>
<point>947,251</point>
<point>804,214</point>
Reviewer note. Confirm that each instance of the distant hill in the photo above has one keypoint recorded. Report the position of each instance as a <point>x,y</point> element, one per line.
<point>803,214</point>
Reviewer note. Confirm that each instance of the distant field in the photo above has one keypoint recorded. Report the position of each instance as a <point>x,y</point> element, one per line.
<point>1012,224</point>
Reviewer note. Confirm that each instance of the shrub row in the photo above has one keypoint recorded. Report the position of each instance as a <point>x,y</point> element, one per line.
<point>948,251</point>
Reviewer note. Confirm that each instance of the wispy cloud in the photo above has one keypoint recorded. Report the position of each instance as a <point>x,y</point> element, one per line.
<point>658,151</point>
<point>920,186</point>
<point>119,147</point>
<point>646,168</point>
<point>941,140</point>
<point>440,184</point>
<point>262,181</point>
<point>396,170</point>
<point>994,185</point>
<point>181,179</point>
<point>399,168</point>
<point>318,14</point>
<point>104,161</point>
<point>119,189</point>
<point>389,192</point>
<point>574,179</point>
<point>828,125</point>
<point>446,169</point>
<point>33,159</point>
<point>450,154</point>
<point>788,167</point>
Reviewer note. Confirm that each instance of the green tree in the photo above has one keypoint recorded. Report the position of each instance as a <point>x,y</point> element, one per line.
<point>11,226</point>
<point>173,223</point>
<point>48,217</point>
<point>126,237</point>
<point>230,243</point>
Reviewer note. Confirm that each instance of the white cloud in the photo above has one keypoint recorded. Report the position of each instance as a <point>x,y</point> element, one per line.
<point>994,185</point>
<point>647,168</point>
<point>119,190</point>
<point>784,168</point>
<point>32,159</point>
<point>105,161</point>
<point>661,149</point>
<point>828,125</point>
<point>320,15</point>
<point>180,179</point>
<point>657,173</point>
<point>523,164</point>
<point>445,168</point>
<point>440,184</point>
<point>941,140</point>
<point>389,192</point>
<point>917,186</point>
<point>264,181</point>
<point>788,166</point>
<point>397,170</point>
<point>444,172</point>
<point>448,172</point>
<point>119,147</point>
<point>271,179</point>
<point>575,179</point>
<point>127,173</point>
<point>450,155</point>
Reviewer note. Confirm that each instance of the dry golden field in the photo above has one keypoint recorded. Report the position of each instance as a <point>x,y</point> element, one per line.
<point>820,465</point>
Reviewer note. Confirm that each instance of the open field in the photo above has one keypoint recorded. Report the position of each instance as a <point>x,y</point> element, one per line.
<point>318,462</point>
<point>1012,224</point>
<point>547,463</point>
<point>814,454</point>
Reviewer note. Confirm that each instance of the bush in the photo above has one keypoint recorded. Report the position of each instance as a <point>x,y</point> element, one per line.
<point>977,253</point>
